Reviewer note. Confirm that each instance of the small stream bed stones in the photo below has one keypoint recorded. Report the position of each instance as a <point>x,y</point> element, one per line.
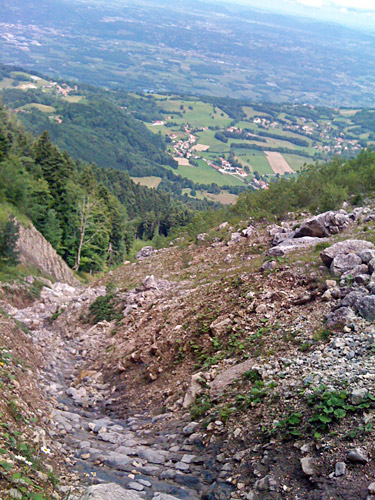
<point>153,464</point>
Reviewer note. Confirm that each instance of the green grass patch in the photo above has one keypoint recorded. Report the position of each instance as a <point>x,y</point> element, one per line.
<point>151,181</point>
<point>296,162</point>
<point>205,174</point>
<point>255,160</point>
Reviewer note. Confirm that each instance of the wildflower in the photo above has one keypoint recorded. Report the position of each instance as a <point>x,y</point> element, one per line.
<point>93,474</point>
<point>20,457</point>
<point>46,450</point>
<point>28,463</point>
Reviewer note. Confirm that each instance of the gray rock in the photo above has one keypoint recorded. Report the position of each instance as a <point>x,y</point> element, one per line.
<point>268,266</point>
<point>371,265</point>
<point>190,428</point>
<point>126,450</point>
<point>358,456</point>
<point>307,465</point>
<point>356,271</point>
<point>343,263</point>
<point>117,460</point>
<point>358,396</point>
<point>163,496</point>
<point>267,483</point>
<point>201,237</point>
<point>228,259</point>
<point>235,237</point>
<point>366,307</point>
<point>345,247</point>
<point>341,317</point>
<point>145,252</point>
<point>294,244</point>
<point>182,466</point>
<point>312,227</point>
<point>282,236</point>
<point>152,456</point>
<point>362,279</point>
<point>248,231</point>
<point>144,482</point>
<point>371,488</point>
<point>340,469</point>
<point>168,474</point>
<point>367,256</point>
<point>110,437</point>
<point>353,299</point>
<point>136,486</point>
<point>110,491</point>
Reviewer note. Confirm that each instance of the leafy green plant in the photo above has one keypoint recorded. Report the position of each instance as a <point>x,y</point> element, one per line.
<point>104,307</point>
<point>225,412</point>
<point>322,334</point>
<point>200,407</point>
<point>252,375</point>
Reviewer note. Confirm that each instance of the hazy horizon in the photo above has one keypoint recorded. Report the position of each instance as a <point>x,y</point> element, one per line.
<point>358,14</point>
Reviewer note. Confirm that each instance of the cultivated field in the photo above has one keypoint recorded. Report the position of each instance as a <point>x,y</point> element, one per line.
<point>278,163</point>
<point>200,147</point>
<point>182,161</point>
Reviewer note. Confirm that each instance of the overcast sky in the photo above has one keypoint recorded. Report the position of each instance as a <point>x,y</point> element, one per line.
<point>352,12</point>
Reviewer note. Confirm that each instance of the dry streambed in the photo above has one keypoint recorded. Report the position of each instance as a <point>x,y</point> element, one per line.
<point>152,457</point>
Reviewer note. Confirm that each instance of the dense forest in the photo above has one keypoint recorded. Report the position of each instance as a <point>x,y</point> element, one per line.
<point>94,130</point>
<point>89,214</point>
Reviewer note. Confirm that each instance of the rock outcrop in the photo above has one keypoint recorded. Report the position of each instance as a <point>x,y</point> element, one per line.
<point>34,249</point>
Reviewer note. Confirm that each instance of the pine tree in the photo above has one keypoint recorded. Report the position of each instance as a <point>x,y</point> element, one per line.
<point>9,233</point>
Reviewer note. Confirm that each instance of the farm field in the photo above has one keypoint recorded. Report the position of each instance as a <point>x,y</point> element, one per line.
<point>278,163</point>
<point>203,174</point>
<point>232,144</point>
<point>223,197</point>
<point>265,140</point>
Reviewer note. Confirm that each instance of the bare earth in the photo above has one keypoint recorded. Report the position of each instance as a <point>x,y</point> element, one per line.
<point>200,147</point>
<point>182,161</point>
<point>278,163</point>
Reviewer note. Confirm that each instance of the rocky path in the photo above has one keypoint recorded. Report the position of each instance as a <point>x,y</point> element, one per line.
<point>151,464</point>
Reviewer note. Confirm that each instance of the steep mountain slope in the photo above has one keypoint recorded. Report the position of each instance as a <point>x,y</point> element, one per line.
<point>262,336</point>
<point>80,209</point>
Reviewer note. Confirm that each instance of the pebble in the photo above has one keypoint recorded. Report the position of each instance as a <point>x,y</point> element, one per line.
<point>340,469</point>
<point>307,465</point>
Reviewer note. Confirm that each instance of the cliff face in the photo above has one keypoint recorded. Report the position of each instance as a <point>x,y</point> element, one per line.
<point>35,249</point>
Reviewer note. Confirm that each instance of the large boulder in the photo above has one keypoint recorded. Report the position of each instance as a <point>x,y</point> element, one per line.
<point>324,224</point>
<point>313,228</point>
<point>353,299</point>
<point>345,247</point>
<point>341,317</point>
<point>109,491</point>
<point>293,244</point>
<point>344,262</point>
<point>366,307</point>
